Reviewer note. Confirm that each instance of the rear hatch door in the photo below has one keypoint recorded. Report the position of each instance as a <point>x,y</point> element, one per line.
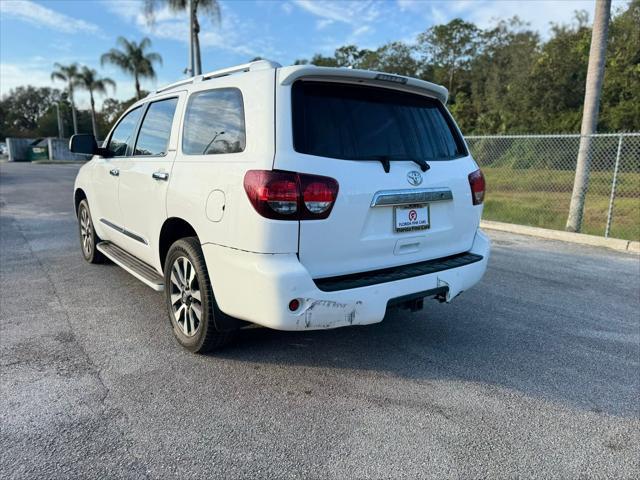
<point>402,169</point>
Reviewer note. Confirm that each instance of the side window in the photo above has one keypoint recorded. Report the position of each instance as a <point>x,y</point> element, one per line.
<point>214,123</point>
<point>153,138</point>
<point>123,133</point>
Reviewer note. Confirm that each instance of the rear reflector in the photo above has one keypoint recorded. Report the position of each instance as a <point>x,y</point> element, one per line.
<point>477,184</point>
<point>290,195</point>
<point>294,304</point>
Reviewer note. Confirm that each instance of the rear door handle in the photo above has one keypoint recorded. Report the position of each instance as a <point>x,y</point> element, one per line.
<point>114,172</point>
<point>160,176</point>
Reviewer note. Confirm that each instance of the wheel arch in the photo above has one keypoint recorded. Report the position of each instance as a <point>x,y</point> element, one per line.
<point>173,229</point>
<point>78,196</point>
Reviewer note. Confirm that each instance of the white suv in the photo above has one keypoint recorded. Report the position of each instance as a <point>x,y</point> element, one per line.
<point>296,198</point>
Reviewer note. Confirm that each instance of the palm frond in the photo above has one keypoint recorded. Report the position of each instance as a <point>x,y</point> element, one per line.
<point>132,58</point>
<point>154,58</point>
<point>211,8</point>
<point>101,84</point>
<point>177,5</point>
<point>109,83</point>
<point>66,73</point>
<point>149,10</point>
<point>58,76</point>
<point>117,58</point>
<point>124,43</point>
<point>144,43</point>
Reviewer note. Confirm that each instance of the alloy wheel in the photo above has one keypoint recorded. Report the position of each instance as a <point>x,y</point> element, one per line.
<point>186,297</point>
<point>86,232</point>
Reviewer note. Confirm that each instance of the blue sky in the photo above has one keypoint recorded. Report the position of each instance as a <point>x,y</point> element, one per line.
<point>35,34</point>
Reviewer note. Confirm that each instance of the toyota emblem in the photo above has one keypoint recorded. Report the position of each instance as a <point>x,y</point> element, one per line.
<point>414,178</point>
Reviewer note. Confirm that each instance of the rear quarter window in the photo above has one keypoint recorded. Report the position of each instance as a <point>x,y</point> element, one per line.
<point>354,122</point>
<point>214,123</point>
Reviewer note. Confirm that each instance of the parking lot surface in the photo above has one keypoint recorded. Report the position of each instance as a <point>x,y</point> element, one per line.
<point>533,373</point>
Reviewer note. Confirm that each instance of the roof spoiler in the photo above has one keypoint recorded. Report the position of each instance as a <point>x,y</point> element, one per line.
<point>288,75</point>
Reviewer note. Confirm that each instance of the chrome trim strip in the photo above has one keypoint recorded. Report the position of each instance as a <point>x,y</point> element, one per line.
<point>385,198</point>
<point>112,225</point>
<point>124,231</point>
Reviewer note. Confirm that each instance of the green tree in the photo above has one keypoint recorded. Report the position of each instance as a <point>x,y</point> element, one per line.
<point>321,61</point>
<point>23,107</point>
<point>558,76</point>
<point>496,93</point>
<point>208,7</point>
<point>113,109</point>
<point>69,74</point>
<point>394,57</point>
<point>620,103</point>
<point>134,60</point>
<point>89,79</point>
<point>449,47</point>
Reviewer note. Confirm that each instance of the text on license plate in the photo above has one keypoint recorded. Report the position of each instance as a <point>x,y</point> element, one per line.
<point>411,217</point>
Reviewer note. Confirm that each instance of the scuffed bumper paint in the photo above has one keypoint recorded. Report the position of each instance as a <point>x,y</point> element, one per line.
<point>327,313</point>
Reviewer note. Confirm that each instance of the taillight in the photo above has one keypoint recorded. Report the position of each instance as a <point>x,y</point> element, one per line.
<point>477,183</point>
<point>289,195</point>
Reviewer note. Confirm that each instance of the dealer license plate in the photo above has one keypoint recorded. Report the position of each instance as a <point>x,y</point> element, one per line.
<point>411,217</point>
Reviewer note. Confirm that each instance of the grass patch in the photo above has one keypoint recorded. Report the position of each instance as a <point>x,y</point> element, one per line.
<point>541,198</point>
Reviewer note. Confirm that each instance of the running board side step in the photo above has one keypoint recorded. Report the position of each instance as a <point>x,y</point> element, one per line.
<point>143,272</point>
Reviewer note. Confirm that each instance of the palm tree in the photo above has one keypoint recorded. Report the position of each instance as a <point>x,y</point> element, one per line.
<point>591,107</point>
<point>133,59</point>
<point>89,80</point>
<point>209,7</point>
<point>69,74</point>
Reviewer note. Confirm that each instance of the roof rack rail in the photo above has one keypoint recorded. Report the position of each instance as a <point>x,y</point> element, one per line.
<point>174,84</point>
<point>245,67</point>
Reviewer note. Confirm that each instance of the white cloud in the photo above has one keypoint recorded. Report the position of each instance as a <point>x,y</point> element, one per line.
<point>540,14</point>
<point>359,15</point>
<point>324,23</point>
<point>41,16</point>
<point>361,31</point>
<point>13,75</point>
<point>351,12</point>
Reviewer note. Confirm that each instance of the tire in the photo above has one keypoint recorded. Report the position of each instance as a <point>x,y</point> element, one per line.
<point>88,237</point>
<point>188,291</point>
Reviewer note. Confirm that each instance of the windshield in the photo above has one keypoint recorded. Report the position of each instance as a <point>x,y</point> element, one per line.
<point>356,122</point>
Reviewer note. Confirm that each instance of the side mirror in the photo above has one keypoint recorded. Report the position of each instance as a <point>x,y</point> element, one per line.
<point>85,143</point>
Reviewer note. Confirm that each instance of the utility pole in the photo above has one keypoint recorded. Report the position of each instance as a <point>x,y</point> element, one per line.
<point>593,89</point>
<point>60,129</point>
<point>191,53</point>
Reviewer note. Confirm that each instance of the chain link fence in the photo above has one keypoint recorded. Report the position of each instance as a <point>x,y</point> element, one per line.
<point>530,180</point>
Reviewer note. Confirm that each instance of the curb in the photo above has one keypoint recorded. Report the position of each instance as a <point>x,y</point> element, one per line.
<point>579,238</point>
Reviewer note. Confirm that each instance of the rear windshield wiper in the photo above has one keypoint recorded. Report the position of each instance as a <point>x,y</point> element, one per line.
<point>386,160</point>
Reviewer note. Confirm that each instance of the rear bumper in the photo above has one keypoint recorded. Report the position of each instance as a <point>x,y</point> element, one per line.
<point>258,288</point>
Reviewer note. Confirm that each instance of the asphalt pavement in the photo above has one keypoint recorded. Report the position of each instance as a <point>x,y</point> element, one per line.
<point>533,373</point>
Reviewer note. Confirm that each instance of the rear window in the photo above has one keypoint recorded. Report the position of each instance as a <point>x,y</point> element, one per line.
<point>356,122</point>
